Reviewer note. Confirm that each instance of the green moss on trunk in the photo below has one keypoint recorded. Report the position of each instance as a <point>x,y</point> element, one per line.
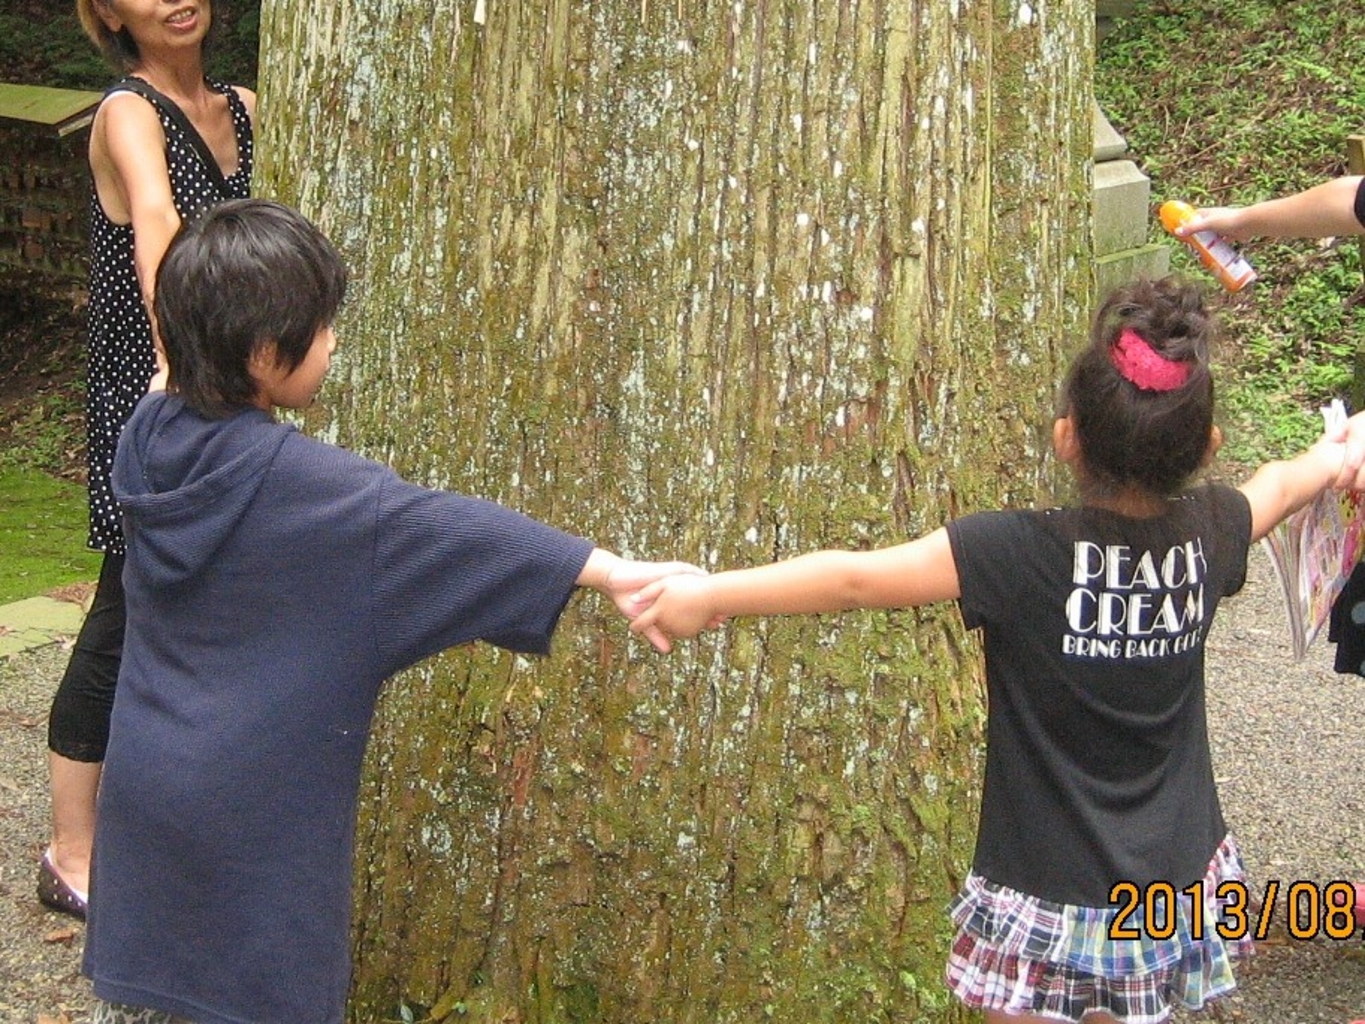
<point>726,282</point>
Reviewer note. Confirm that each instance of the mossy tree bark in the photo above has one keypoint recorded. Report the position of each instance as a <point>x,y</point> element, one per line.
<point>722,281</point>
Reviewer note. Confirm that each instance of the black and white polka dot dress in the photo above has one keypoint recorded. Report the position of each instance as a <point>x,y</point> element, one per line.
<point>121,357</point>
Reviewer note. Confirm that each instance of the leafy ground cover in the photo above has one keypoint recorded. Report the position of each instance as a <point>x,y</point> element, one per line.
<point>1225,102</point>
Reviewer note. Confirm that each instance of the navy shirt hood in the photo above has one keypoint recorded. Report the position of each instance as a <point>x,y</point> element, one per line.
<point>188,478</point>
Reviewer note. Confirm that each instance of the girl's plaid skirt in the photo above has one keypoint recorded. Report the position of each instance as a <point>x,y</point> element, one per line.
<point>1020,954</point>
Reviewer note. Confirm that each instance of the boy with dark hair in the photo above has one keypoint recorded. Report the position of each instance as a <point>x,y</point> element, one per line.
<point>251,282</point>
<point>273,583</point>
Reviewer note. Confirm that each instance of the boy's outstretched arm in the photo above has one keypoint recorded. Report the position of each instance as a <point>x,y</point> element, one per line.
<point>919,572</point>
<point>1279,489</point>
<point>621,580</point>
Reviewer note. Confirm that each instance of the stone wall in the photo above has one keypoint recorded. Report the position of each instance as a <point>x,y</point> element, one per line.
<point>1106,11</point>
<point>44,188</point>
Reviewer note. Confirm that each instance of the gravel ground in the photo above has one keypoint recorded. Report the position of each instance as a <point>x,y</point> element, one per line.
<point>40,950</point>
<point>1286,752</point>
<point>1287,756</point>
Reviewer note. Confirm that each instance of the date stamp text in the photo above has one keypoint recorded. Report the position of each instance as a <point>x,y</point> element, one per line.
<point>1310,910</point>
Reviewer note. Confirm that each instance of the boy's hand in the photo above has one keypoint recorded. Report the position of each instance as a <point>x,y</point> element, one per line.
<point>678,606</point>
<point>623,579</point>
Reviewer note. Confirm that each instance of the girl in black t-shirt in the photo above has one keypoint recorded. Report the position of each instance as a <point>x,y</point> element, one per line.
<point>1098,772</point>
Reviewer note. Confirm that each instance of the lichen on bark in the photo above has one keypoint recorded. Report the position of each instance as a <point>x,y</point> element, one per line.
<point>722,281</point>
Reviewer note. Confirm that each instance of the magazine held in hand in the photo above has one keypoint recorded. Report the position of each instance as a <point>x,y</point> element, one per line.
<point>1314,551</point>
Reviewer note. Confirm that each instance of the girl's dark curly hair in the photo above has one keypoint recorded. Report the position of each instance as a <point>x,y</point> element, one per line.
<point>1130,436</point>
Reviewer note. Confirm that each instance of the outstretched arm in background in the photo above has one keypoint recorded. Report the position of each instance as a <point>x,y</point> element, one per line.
<point>621,580</point>
<point>1323,210</point>
<point>133,185</point>
<point>1279,489</point>
<point>919,572</point>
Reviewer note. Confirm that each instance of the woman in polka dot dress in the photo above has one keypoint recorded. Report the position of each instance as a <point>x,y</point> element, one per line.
<point>157,155</point>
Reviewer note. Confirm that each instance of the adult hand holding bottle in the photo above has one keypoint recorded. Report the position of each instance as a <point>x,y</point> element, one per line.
<point>1335,207</point>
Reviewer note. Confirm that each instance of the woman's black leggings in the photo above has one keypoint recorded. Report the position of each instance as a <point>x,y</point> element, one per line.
<point>78,727</point>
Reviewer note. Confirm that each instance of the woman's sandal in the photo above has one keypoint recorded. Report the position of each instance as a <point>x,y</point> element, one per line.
<point>55,893</point>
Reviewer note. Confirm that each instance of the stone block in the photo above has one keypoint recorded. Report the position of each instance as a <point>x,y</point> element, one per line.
<point>36,622</point>
<point>1114,8</point>
<point>1109,144</point>
<point>1114,269</point>
<point>1120,207</point>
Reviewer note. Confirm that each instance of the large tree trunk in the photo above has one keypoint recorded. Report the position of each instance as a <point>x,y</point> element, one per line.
<point>722,281</point>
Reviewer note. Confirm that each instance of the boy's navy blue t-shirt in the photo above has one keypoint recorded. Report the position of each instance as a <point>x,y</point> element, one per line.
<point>273,583</point>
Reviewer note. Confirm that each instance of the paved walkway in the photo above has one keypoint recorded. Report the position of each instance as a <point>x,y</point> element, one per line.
<point>37,622</point>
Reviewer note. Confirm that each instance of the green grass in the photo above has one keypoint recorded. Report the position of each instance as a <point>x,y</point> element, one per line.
<point>1226,102</point>
<point>42,534</point>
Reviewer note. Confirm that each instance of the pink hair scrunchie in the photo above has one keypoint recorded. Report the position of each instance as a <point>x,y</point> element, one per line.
<point>1143,366</point>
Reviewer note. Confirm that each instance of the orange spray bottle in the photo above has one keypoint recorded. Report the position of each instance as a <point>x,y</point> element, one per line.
<point>1225,263</point>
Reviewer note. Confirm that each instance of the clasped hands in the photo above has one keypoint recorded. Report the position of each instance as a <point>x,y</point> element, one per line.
<point>664,601</point>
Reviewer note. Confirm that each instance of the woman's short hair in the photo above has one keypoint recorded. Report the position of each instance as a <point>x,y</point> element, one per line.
<point>242,275</point>
<point>120,48</point>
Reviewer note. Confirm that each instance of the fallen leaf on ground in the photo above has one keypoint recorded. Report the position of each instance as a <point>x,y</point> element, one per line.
<point>75,593</point>
<point>60,935</point>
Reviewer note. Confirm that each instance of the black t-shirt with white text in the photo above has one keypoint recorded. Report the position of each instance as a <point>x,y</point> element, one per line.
<point>1097,766</point>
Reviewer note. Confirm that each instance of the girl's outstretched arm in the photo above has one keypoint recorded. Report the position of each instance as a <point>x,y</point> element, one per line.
<point>1279,489</point>
<point>919,572</point>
